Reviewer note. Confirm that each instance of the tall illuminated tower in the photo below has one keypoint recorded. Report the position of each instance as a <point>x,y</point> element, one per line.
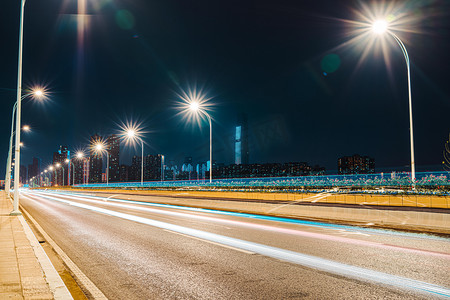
<point>241,152</point>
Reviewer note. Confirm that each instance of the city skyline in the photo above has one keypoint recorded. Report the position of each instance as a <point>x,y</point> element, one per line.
<point>296,111</point>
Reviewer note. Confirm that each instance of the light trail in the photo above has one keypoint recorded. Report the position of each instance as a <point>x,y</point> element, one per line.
<point>281,254</point>
<point>267,227</point>
<point>261,217</point>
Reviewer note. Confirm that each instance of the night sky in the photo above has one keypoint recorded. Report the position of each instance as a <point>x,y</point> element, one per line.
<point>308,95</point>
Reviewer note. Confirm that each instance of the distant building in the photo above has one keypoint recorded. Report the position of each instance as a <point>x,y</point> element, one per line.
<point>34,170</point>
<point>356,164</point>
<point>289,169</point>
<point>241,152</point>
<point>134,173</point>
<point>123,173</point>
<point>152,167</point>
<point>62,173</point>
<point>95,162</point>
<point>113,145</point>
<point>78,170</point>
<point>23,174</point>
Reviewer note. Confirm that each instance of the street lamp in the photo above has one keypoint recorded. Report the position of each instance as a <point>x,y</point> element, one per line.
<point>131,134</point>
<point>79,155</point>
<point>25,128</point>
<point>37,93</point>
<point>195,105</point>
<point>51,168</point>
<point>99,147</point>
<point>381,27</point>
<point>57,166</point>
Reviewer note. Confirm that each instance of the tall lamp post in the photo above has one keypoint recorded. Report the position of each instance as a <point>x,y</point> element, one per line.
<point>51,168</point>
<point>381,27</point>
<point>57,166</point>
<point>79,155</point>
<point>196,107</point>
<point>100,147</point>
<point>9,159</point>
<point>132,134</point>
<point>16,211</point>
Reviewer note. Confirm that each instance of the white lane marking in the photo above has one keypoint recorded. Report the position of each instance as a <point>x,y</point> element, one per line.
<point>278,253</point>
<point>56,284</point>
<point>209,242</point>
<point>338,235</point>
<point>80,276</point>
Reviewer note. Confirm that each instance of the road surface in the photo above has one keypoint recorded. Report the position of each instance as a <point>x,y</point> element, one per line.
<point>135,250</point>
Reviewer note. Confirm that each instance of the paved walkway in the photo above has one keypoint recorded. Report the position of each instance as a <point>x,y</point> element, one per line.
<point>21,274</point>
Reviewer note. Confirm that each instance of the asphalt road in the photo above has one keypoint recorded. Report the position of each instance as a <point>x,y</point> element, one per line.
<point>136,251</point>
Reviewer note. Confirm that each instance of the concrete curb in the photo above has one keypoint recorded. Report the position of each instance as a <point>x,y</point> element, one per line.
<point>57,286</point>
<point>81,278</point>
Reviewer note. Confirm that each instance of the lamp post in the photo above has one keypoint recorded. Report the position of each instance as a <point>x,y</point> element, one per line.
<point>380,27</point>
<point>37,93</point>
<point>57,166</point>
<point>79,155</point>
<point>100,147</point>
<point>8,161</point>
<point>195,107</point>
<point>16,211</point>
<point>51,168</point>
<point>132,134</point>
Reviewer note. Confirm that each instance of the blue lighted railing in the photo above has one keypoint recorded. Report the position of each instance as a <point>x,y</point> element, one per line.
<point>423,179</point>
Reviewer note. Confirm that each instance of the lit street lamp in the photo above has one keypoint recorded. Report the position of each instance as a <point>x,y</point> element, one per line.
<point>16,211</point>
<point>381,27</point>
<point>51,168</point>
<point>100,147</point>
<point>25,128</point>
<point>57,166</point>
<point>195,104</point>
<point>131,134</point>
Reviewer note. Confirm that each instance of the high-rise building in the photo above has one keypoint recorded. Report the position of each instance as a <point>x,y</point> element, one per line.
<point>135,170</point>
<point>78,170</point>
<point>356,164</point>
<point>241,152</point>
<point>23,174</point>
<point>95,162</point>
<point>113,145</point>
<point>152,167</point>
<point>62,173</point>
<point>124,175</point>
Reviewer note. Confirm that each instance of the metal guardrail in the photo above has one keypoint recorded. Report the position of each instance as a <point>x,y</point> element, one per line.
<point>423,179</point>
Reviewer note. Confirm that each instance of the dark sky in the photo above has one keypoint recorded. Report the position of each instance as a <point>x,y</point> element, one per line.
<point>264,58</point>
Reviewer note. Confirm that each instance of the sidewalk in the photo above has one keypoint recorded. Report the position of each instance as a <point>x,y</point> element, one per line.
<point>21,273</point>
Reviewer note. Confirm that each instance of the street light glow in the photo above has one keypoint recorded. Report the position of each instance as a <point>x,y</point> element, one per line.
<point>194,106</point>
<point>380,26</point>
<point>58,165</point>
<point>80,154</point>
<point>131,133</point>
<point>26,128</point>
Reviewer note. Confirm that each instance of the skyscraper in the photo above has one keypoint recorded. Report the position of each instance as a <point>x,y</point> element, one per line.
<point>152,167</point>
<point>241,153</point>
<point>62,173</point>
<point>113,146</point>
<point>95,163</point>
